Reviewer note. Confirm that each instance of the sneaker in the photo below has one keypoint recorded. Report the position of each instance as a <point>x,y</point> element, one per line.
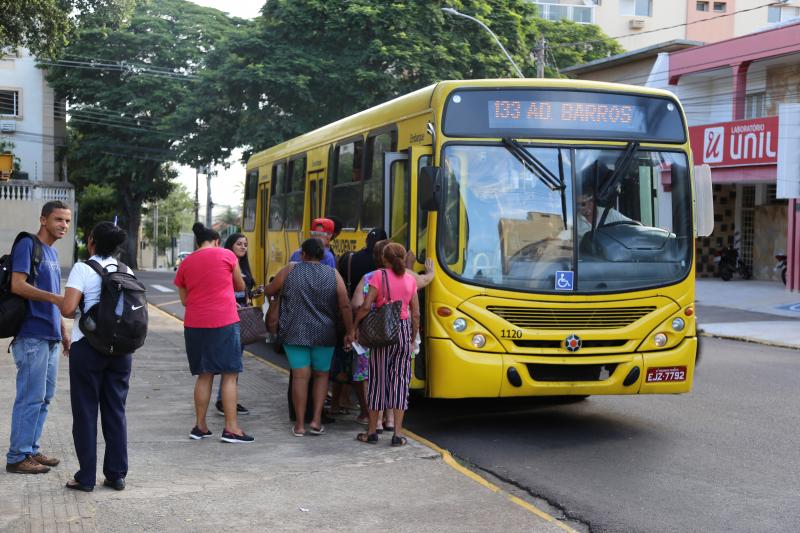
<point>227,436</point>
<point>240,409</point>
<point>27,466</point>
<point>196,434</point>
<point>42,459</point>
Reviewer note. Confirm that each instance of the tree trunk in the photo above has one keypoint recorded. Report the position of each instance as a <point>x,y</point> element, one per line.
<point>131,219</point>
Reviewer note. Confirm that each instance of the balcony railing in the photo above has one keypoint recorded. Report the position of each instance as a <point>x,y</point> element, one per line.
<point>575,13</point>
<point>36,191</point>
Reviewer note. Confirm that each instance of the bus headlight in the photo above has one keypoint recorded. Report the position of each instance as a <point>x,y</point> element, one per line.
<point>459,324</point>
<point>678,324</point>
<point>478,340</point>
<point>660,339</point>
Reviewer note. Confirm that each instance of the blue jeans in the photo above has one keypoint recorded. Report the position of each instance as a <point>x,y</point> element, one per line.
<point>37,369</point>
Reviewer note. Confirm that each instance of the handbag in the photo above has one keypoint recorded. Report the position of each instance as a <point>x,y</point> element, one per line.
<point>381,326</point>
<point>251,325</point>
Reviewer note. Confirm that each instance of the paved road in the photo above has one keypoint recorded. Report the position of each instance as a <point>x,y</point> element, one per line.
<point>723,458</point>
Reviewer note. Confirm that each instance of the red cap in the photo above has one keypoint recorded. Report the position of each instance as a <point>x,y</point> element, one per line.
<point>324,225</point>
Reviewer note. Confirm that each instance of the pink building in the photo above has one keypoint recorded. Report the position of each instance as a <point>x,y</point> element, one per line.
<point>732,91</point>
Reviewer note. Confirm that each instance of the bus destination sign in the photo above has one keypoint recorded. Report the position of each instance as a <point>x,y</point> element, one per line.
<point>563,114</point>
<point>537,114</point>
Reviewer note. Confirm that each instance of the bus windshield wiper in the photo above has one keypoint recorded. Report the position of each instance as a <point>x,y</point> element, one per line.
<point>538,169</point>
<point>610,187</point>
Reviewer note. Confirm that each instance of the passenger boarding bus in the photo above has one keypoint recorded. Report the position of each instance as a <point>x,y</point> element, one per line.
<point>560,216</point>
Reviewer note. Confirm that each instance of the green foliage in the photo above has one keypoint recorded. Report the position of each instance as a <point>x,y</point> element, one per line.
<point>175,214</point>
<point>306,63</point>
<point>97,204</point>
<point>45,26</point>
<point>122,117</point>
<point>231,217</point>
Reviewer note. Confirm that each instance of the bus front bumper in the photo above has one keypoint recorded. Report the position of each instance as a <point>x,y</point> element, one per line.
<point>457,373</point>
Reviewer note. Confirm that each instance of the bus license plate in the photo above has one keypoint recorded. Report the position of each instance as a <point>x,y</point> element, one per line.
<point>666,374</point>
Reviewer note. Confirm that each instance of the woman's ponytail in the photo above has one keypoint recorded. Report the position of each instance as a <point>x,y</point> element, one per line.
<point>395,254</point>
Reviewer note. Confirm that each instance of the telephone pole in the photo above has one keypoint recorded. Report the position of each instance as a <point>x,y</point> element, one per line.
<point>197,194</point>
<point>155,235</point>
<point>209,203</point>
<point>540,58</point>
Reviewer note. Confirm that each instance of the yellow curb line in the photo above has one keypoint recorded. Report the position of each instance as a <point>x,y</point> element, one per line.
<point>447,457</point>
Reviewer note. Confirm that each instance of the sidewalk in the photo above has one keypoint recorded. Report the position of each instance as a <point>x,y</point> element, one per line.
<point>760,311</point>
<point>277,483</point>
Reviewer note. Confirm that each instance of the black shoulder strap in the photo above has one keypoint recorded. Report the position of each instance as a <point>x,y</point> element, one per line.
<point>349,271</point>
<point>101,271</point>
<point>36,252</point>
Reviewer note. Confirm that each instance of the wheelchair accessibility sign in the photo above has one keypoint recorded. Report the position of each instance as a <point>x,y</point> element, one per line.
<point>565,280</point>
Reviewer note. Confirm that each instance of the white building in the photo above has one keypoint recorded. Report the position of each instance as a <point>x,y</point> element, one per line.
<point>32,128</point>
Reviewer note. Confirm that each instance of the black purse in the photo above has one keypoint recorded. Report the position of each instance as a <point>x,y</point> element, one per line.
<point>381,326</point>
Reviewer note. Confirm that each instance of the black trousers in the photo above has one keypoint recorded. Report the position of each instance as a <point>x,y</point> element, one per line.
<point>98,380</point>
<point>309,403</point>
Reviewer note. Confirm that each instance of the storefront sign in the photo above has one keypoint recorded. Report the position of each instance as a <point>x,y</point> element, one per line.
<point>737,143</point>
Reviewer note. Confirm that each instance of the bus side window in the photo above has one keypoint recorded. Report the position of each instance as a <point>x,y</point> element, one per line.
<point>422,217</point>
<point>345,184</point>
<point>372,214</point>
<point>295,196</point>
<point>277,202</point>
<point>250,201</point>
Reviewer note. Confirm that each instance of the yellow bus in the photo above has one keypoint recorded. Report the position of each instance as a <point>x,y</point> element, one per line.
<point>561,216</point>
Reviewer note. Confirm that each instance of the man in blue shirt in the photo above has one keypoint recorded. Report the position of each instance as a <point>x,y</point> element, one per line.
<point>322,229</point>
<point>36,346</point>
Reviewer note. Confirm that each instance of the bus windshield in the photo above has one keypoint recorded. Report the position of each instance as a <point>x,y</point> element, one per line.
<point>620,219</point>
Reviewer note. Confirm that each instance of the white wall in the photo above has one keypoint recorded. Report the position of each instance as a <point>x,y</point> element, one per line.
<point>33,139</point>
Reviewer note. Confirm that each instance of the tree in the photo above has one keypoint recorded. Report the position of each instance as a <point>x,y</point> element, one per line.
<point>175,214</point>
<point>230,217</point>
<point>45,26</point>
<point>306,63</point>
<point>121,109</point>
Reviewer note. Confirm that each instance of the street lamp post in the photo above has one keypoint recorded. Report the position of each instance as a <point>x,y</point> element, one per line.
<point>451,11</point>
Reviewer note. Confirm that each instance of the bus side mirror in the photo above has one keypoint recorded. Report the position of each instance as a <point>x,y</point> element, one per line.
<point>430,188</point>
<point>704,201</point>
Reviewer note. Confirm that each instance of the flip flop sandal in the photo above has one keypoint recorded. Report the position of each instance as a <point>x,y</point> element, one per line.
<point>399,441</point>
<point>388,428</point>
<point>316,431</point>
<point>367,438</point>
<point>362,421</point>
<point>298,433</point>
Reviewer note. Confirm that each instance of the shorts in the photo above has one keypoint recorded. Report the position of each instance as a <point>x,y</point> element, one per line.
<point>317,357</point>
<point>213,350</point>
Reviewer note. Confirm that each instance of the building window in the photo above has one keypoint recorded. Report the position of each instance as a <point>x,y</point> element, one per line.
<point>782,13</point>
<point>556,10</point>
<point>720,7</point>
<point>636,8</point>
<point>9,103</point>
<point>755,105</point>
<point>702,6</point>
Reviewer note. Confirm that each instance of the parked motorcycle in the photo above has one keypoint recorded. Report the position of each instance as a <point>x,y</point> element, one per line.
<point>730,263</point>
<point>781,266</point>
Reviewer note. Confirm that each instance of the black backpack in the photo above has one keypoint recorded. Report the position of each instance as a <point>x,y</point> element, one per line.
<point>117,324</point>
<point>14,308</point>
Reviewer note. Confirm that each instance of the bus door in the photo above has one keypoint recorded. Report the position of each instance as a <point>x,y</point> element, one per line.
<point>263,232</point>
<point>316,185</point>
<point>407,224</point>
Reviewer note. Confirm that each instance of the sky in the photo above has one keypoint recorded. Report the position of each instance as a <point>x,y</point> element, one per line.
<point>226,185</point>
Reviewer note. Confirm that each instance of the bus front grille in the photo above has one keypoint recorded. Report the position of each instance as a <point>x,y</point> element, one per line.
<point>588,318</point>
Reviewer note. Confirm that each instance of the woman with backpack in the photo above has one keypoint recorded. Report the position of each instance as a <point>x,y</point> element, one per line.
<point>206,282</point>
<point>96,380</point>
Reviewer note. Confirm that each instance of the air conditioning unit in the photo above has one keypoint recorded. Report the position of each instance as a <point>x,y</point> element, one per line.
<point>8,126</point>
<point>636,24</point>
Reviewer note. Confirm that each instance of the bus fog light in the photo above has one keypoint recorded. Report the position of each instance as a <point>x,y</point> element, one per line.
<point>478,340</point>
<point>459,324</point>
<point>660,339</point>
<point>678,324</point>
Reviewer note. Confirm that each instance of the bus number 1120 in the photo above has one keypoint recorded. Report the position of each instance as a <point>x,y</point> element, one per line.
<point>511,333</point>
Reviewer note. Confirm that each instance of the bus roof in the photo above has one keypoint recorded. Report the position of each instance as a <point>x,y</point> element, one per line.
<point>419,102</point>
